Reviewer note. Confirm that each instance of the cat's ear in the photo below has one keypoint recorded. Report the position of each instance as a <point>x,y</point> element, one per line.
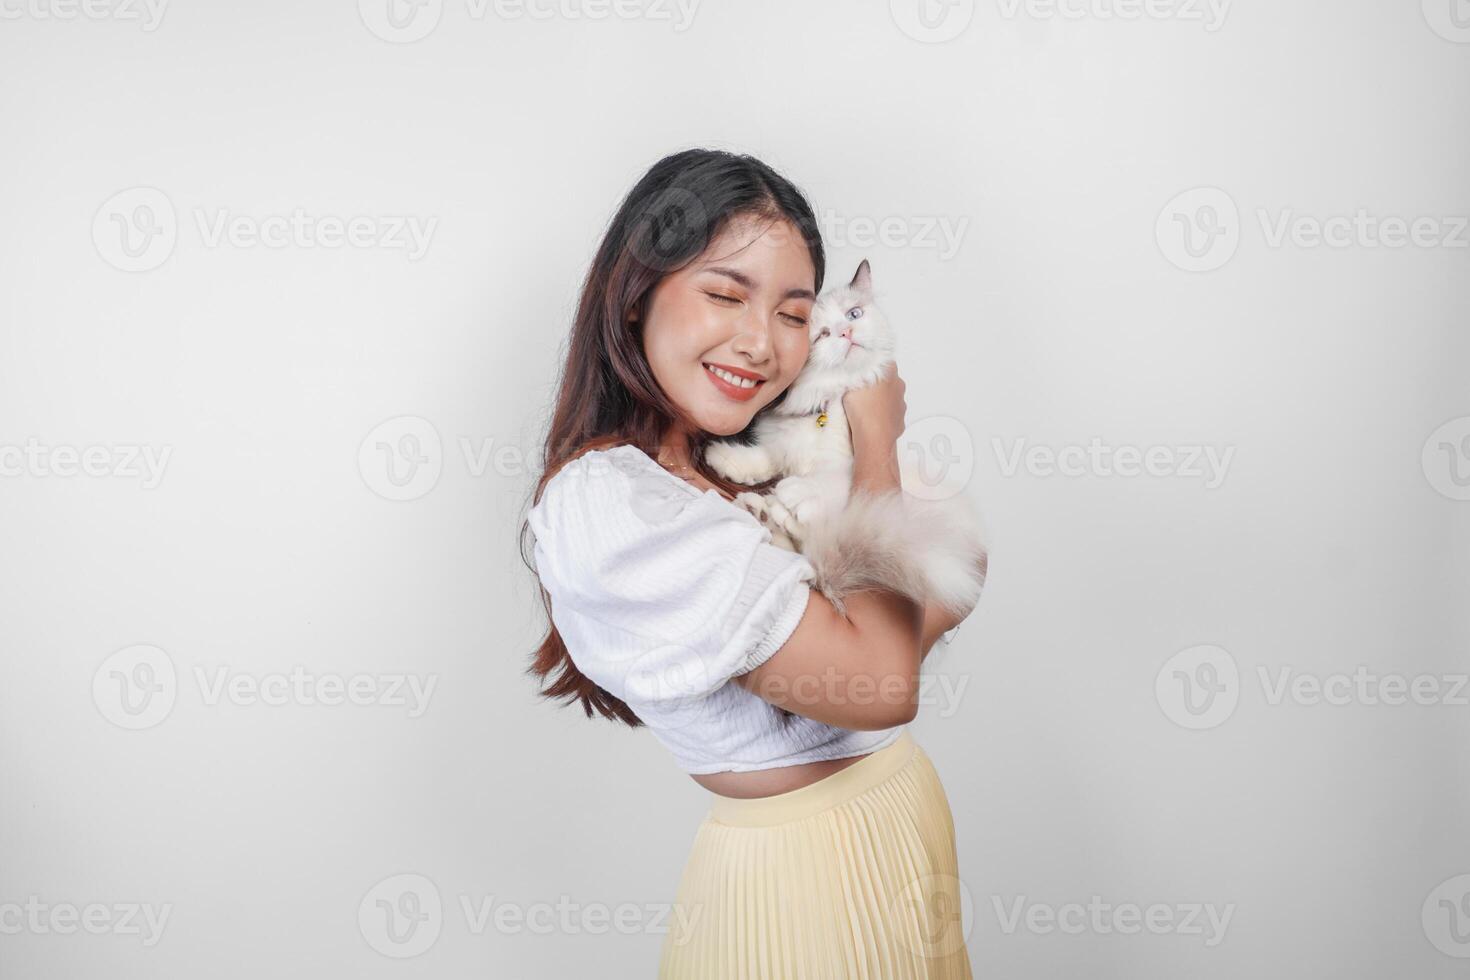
<point>863,278</point>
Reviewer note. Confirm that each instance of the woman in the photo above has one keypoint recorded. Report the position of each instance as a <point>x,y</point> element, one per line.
<point>828,850</point>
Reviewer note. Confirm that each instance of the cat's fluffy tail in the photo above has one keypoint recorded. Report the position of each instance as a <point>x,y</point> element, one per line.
<point>926,550</point>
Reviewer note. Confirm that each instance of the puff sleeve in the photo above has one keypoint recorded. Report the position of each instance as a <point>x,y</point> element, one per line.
<point>660,591</point>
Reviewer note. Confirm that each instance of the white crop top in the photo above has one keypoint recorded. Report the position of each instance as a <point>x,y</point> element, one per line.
<point>663,592</point>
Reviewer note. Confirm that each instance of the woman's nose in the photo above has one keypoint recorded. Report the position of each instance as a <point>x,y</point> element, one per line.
<point>755,338</point>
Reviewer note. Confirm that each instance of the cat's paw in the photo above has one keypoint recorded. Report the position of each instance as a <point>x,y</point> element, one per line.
<point>781,520</point>
<point>803,497</point>
<point>773,516</point>
<point>754,504</point>
<point>745,465</point>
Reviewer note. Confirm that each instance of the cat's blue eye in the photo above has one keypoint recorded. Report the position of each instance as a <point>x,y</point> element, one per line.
<point>856,313</point>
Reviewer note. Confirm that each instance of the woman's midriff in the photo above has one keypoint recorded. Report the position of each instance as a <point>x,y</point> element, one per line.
<point>770,782</point>
<point>766,782</point>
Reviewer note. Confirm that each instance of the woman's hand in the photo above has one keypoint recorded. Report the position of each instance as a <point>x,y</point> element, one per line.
<point>876,413</point>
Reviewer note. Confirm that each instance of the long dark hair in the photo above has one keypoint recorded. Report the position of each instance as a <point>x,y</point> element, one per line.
<point>607,394</point>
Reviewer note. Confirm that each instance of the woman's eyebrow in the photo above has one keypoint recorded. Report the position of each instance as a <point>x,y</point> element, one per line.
<point>749,283</point>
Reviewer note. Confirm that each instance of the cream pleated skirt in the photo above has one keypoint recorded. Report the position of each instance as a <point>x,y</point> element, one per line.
<point>853,877</point>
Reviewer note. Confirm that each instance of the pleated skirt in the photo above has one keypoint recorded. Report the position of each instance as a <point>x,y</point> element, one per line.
<point>853,877</point>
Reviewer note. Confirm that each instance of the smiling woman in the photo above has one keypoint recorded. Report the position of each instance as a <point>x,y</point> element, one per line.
<point>829,846</point>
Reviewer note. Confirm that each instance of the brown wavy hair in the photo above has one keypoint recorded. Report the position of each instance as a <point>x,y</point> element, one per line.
<point>607,395</point>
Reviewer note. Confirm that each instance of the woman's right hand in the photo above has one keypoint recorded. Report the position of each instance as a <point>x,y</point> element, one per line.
<point>876,413</point>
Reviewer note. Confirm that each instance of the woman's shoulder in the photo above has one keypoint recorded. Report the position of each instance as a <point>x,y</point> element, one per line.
<point>603,470</point>
<point>610,488</point>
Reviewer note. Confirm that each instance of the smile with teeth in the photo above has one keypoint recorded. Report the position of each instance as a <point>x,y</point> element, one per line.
<point>733,379</point>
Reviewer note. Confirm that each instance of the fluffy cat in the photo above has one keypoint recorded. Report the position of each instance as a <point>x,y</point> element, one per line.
<point>927,550</point>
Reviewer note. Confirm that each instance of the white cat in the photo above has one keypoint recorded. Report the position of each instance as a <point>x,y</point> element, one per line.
<point>928,550</point>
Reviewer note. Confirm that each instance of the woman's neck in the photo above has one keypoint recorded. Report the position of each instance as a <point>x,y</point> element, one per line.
<point>674,449</point>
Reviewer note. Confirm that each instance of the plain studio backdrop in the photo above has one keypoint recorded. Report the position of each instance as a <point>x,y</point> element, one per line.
<point>1181,291</point>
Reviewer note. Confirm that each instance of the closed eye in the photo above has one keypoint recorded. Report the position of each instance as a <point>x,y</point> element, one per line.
<point>799,321</point>
<point>721,296</point>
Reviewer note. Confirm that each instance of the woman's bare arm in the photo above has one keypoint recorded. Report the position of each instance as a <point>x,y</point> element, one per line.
<point>862,671</point>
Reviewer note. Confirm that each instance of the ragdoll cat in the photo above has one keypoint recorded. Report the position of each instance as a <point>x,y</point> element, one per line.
<point>928,550</point>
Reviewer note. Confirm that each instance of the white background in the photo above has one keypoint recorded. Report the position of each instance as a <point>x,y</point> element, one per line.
<point>1055,140</point>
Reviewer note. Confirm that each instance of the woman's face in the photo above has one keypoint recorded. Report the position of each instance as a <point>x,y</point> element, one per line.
<point>741,307</point>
